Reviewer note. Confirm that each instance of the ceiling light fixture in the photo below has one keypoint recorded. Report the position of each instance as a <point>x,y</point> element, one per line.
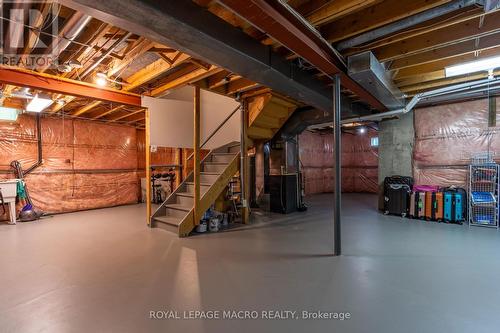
<point>473,67</point>
<point>39,103</point>
<point>101,79</point>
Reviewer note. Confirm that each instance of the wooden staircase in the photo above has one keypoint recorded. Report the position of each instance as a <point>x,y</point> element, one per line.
<point>266,114</point>
<point>176,213</point>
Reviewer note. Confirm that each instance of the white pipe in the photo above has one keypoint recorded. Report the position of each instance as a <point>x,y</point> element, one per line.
<point>423,96</point>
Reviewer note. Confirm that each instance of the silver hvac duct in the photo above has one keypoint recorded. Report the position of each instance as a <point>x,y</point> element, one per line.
<point>366,70</point>
<point>69,32</point>
<point>15,30</point>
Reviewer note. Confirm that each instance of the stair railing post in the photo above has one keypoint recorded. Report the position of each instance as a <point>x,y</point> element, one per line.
<point>244,177</point>
<point>196,159</point>
<point>147,154</point>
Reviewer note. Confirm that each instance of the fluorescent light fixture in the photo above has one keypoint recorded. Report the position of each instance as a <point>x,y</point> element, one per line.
<point>39,103</point>
<point>8,114</point>
<point>473,67</point>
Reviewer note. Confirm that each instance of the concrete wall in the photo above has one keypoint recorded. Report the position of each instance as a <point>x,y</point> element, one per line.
<point>396,142</point>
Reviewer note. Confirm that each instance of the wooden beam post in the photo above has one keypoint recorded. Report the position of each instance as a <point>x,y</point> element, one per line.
<point>148,169</point>
<point>178,170</point>
<point>244,166</point>
<point>196,157</point>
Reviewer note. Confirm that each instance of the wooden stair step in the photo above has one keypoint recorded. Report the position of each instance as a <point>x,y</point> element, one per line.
<point>185,194</point>
<point>178,207</point>
<point>201,184</point>
<point>172,220</point>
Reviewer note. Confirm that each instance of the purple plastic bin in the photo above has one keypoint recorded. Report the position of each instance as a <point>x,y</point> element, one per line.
<point>425,188</point>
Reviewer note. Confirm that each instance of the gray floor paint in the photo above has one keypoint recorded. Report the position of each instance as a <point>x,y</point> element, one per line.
<point>103,271</point>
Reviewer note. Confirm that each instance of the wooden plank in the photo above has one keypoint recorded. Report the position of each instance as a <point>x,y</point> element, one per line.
<point>236,86</point>
<point>441,64</point>
<point>196,157</point>
<point>86,108</point>
<point>182,78</point>
<point>128,114</point>
<point>107,112</point>
<point>462,48</point>
<point>154,70</point>
<point>463,31</point>
<point>334,10</point>
<point>142,76</point>
<point>255,132</point>
<point>266,121</point>
<point>420,29</point>
<point>148,168</point>
<point>255,106</point>
<point>420,78</point>
<point>383,13</point>
<point>445,82</point>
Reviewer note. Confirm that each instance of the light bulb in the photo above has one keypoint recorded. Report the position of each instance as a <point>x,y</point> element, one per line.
<point>100,81</point>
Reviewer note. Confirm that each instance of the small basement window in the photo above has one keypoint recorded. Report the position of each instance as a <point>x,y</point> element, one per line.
<point>374,141</point>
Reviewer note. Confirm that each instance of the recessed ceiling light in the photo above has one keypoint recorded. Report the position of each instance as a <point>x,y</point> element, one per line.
<point>473,67</point>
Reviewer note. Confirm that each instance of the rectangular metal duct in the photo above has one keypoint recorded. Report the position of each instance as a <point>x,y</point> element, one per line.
<point>365,69</point>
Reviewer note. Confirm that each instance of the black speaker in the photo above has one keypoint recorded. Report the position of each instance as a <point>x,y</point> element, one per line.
<point>283,193</point>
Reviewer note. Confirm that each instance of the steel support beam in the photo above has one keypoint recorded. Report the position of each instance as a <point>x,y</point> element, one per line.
<point>192,29</point>
<point>55,84</point>
<point>337,249</point>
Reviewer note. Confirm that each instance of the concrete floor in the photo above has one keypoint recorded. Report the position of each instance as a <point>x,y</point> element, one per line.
<point>104,271</point>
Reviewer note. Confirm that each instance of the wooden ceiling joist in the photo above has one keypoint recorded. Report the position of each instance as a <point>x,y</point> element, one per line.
<point>383,13</point>
<point>333,10</point>
<point>420,29</point>
<point>108,112</point>
<point>456,33</point>
<point>442,63</point>
<point>182,78</point>
<point>470,46</point>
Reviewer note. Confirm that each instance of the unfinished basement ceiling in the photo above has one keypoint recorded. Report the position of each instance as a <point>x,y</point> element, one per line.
<point>86,46</point>
<point>421,37</point>
<point>420,45</point>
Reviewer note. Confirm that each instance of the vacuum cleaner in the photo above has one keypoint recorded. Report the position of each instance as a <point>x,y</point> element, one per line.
<point>28,212</point>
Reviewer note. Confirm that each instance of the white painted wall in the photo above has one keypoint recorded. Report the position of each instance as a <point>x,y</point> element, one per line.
<point>172,119</point>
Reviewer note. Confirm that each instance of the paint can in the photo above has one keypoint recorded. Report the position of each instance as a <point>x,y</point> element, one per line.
<point>214,224</point>
<point>202,227</point>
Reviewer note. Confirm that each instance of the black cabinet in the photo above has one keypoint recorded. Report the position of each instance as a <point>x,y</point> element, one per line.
<point>283,193</point>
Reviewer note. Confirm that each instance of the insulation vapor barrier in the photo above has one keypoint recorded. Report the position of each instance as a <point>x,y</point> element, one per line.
<point>359,162</point>
<point>85,164</point>
<point>447,136</point>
